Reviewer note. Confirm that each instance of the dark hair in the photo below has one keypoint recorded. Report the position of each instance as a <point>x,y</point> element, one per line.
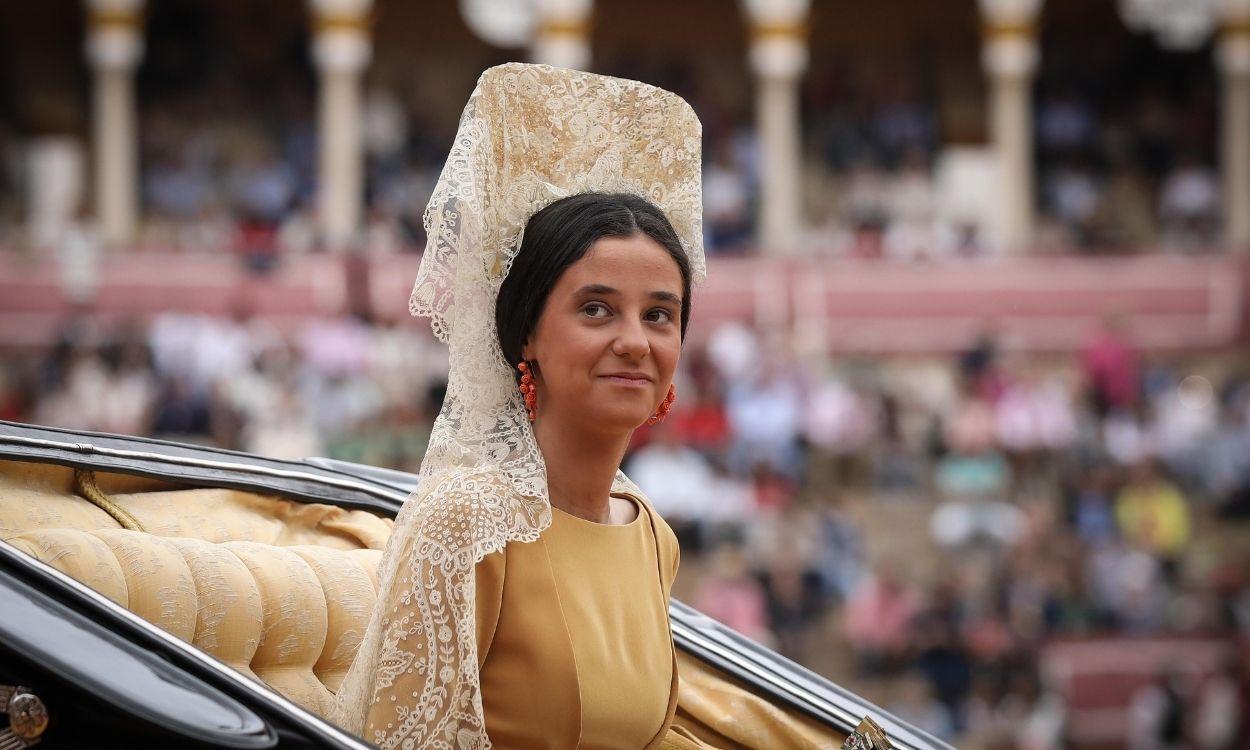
<point>558,236</point>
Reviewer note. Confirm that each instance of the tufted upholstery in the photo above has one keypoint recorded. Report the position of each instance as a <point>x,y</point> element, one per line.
<point>279,590</point>
<point>282,591</point>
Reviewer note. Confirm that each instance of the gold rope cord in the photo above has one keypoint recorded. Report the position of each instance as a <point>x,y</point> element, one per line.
<point>85,485</point>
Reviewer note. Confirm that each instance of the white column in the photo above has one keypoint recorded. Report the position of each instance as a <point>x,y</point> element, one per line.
<point>1010,57</point>
<point>562,36</point>
<point>114,48</point>
<point>1232,54</point>
<point>341,50</point>
<point>778,57</point>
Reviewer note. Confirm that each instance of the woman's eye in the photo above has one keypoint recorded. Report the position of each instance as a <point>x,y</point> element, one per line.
<point>660,315</point>
<point>595,310</point>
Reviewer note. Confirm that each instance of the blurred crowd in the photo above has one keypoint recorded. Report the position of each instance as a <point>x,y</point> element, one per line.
<point>1124,145</point>
<point>939,520</point>
<point>1107,185</point>
<point>1077,497</point>
<point>338,386</point>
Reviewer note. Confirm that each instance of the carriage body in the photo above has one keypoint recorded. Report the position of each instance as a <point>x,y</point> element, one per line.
<point>162,594</point>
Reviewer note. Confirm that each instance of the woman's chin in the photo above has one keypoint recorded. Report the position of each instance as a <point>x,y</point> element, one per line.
<point>616,420</point>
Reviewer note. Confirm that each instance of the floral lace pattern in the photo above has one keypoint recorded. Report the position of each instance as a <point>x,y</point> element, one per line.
<point>529,135</point>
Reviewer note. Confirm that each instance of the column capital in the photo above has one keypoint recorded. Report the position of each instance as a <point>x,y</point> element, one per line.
<point>341,40</point>
<point>345,9</point>
<point>778,30</point>
<point>776,13</point>
<point>1012,55</point>
<point>564,13</point>
<point>562,33</point>
<point>1232,47</point>
<point>776,56</point>
<point>1010,14</point>
<point>114,34</point>
<point>1234,10</point>
<point>119,11</point>
<point>1010,37</point>
<point>579,30</point>
<point>1232,53</point>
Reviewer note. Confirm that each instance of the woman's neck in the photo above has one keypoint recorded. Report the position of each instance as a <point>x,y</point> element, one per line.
<point>580,466</point>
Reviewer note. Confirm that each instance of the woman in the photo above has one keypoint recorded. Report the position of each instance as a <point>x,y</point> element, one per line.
<point>523,594</point>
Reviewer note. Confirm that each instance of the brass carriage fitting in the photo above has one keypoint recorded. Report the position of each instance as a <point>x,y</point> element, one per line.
<point>28,718</point>
<point>867,736</point>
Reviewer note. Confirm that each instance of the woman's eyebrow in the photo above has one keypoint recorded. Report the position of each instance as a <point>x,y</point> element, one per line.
<point>596,289</point>
<point>604,289</point>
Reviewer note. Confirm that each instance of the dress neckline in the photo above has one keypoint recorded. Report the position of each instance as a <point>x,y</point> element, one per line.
<point>584,521</point>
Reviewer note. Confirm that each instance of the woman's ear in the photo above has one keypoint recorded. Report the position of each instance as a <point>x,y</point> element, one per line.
<point>527,355</point>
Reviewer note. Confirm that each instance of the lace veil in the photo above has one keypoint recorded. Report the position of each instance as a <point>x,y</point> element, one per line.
<point>529,135</point>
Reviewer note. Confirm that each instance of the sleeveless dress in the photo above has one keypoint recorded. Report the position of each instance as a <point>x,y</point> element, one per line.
<point>574,643</point>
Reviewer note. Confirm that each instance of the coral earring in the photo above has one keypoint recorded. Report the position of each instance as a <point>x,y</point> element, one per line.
<point>665,406</point>
<point>528,390</point>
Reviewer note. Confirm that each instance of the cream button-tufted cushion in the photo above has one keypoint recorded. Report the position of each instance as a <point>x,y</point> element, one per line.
<point>295,622</point>
<point>277,589</point>
<point>79,555</point>
<point>159,585</point>
<point>344,582</point>
<point>368,559</point>
<point>229,610</point>
<point>223,515</point>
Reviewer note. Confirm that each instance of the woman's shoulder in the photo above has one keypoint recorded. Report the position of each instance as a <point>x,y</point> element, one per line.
<point>666,541</point>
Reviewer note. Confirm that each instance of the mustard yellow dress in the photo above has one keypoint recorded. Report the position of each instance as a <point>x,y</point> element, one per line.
<point>574,644</point>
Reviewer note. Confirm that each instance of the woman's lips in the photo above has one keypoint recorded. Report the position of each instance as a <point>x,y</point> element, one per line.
<point>627,380</point>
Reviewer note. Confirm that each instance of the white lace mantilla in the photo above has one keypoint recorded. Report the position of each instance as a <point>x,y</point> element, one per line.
<point>529,135</point>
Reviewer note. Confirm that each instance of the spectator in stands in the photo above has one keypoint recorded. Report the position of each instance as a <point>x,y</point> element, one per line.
<point>1226,462</point>
<point>1044,723</point>
<point>726,202</point>
<point>841,425</point>
<point>1157,715</point>
<point>1110,366</point>
<point>1153,514</point>
<point>178,186</point>
<point>1222,717</point>
<point>915,703</point>
<point>679,482</point>
<point>700,422</point>
<point>877,620</point>
<point>764,408</point>
<point>1189,205</point>
<point>1127,209</point>
<point>795,601</point>
<point>839,555</point>
<point>1074,197</point>
<point>865,207</point>
<point>941,654</point>
<point>731,595</point>
<point>1066,123</point>
<point>1091,504</point>
<point>1186,421</point>
<point>911,231</point>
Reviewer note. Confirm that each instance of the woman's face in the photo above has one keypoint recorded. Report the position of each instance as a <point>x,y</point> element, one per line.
<point>608,339</point>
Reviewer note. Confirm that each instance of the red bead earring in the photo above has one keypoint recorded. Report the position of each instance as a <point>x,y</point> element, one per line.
<point>665,406</point>
<point>528,390</point>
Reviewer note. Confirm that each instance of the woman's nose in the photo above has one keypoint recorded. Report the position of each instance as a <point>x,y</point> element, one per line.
<point>631,341</point>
